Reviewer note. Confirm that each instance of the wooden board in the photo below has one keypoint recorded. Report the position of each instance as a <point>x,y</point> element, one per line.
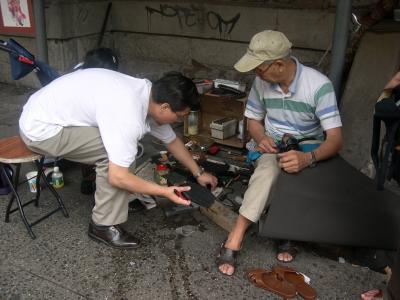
<point>220,215</point>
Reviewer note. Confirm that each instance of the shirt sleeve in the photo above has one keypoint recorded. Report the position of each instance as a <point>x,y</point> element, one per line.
<point>326,107</point>
<point>162,132</point>
<point>255,108</point>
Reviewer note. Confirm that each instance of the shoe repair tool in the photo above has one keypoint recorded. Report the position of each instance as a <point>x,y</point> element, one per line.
<point>241,158</point>
<point>180,195</point>
<point>231,151</point>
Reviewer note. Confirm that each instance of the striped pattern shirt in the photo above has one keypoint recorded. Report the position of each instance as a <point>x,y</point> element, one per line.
<point>307,110</point>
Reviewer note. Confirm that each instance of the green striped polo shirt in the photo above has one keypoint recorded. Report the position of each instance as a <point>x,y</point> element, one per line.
<point>307,110</point>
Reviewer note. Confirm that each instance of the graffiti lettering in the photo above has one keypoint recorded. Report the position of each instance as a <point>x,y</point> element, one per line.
<point>224,26</point>
<point>194,16</point>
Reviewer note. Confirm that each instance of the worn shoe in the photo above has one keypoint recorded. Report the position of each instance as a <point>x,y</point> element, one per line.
<point>114,236</point>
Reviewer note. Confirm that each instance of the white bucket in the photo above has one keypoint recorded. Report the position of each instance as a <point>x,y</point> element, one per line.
<point>31,177</point>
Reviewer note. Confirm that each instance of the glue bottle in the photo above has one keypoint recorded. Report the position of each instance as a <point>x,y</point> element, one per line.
<point>57,178</point>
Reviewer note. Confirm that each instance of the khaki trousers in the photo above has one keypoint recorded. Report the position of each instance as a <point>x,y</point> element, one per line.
<point>84,145</point>
<point>260,187</point>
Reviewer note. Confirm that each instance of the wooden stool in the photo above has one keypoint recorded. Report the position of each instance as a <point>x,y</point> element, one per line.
<point>14,151</point>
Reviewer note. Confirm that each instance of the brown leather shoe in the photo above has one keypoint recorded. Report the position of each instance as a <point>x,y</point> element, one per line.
<point>114,236</point>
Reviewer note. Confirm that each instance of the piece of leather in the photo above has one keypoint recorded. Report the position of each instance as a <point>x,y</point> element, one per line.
<point>270,281</point>
<point>332,203</point>
<point>114,236</point>
<point>197,193</point>
<point>297,279</point>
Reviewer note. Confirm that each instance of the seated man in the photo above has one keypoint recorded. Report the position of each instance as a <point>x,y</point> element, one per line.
<point>286,98</point>
<point>97,116</point>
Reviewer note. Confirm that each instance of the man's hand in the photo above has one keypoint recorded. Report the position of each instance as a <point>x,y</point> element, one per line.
<point>294,161</point>
<point>172,191</point>
<point>267,145</point>
<point>395,81</point>
<point>207,179</point>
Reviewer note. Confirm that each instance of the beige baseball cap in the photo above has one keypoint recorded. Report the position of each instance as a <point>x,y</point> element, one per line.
<point>265,45</point>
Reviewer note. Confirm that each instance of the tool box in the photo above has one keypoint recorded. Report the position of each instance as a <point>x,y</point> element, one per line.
<point>223,128</point>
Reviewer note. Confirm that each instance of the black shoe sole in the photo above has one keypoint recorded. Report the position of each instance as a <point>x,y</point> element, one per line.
<point>97,239</point>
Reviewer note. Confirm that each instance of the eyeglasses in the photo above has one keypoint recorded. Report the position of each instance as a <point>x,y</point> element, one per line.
<point>261,72</point>
<point>181,116</point>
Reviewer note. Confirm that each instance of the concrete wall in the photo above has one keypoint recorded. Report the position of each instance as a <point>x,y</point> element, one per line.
<point>205,40</point>
<point>200,38</point>
<point>376,61</point>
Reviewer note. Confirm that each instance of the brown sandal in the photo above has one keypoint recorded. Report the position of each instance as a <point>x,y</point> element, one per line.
<point>297,280</point>
<point>272,282</point>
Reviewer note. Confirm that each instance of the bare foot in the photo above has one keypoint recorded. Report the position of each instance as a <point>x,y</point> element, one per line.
<point>285,257</point>
<point>228,269</point>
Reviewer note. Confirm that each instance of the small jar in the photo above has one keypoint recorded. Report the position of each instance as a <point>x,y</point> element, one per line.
<point>193,122</point>
<point>160,174</point>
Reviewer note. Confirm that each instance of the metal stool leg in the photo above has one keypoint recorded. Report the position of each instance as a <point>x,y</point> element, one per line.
<point>12,197</point>
<point>19,203</point>
<point>39,172</point>
<point>39,165</point>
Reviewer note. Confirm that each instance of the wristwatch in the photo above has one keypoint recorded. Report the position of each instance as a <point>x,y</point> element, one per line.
<point>199,173</point>
<point>313,162</point>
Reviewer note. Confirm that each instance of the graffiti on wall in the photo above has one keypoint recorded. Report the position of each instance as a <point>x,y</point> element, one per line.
<point>194,16</point>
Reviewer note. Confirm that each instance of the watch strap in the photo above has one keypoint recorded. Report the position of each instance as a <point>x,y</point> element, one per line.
<point>313,162</point>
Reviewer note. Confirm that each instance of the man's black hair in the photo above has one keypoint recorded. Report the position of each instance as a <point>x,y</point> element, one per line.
<point>101,58</point>
<point>177,90</point>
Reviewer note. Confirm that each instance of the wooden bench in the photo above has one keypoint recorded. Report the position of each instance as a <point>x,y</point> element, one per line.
<point>13,151</point>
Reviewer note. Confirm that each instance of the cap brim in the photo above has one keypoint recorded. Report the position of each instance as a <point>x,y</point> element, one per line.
<point>247,63</point>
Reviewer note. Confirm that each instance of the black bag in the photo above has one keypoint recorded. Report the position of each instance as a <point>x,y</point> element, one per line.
<point>5,188</point>
<point>384,155</point>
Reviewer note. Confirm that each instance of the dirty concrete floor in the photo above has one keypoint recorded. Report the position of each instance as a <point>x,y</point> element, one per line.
<point>63,263</point>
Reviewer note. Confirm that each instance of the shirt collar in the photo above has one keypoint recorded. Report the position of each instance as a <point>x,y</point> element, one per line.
<point>299,68</point>
<point>293,85</point>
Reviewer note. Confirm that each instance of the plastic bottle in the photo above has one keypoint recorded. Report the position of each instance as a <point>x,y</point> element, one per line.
<point>57,178</point>
<point>160,174</point>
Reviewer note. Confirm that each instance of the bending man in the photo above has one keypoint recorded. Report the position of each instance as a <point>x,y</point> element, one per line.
<point>97,116</point>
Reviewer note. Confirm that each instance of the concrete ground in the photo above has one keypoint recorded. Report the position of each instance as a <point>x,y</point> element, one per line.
<point>63,263</point>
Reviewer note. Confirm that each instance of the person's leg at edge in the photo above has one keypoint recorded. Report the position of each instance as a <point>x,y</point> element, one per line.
<point>254,203</point>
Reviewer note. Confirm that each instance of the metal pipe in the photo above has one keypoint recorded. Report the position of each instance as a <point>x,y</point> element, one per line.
<point>40,23</point>
<point>104,26</point>
<point>340,39</point>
